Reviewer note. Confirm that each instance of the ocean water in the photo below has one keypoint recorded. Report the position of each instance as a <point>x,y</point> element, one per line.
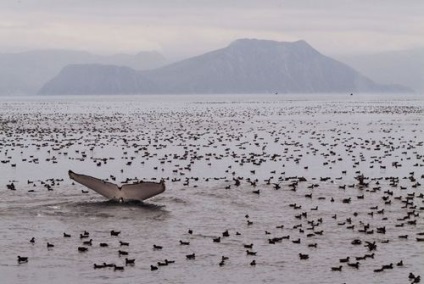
<point>296,158</point>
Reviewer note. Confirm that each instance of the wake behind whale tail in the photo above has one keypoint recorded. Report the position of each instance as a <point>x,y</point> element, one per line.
<point>127,192</point>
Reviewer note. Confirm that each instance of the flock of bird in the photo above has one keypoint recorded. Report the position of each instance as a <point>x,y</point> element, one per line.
<point>369,187</point>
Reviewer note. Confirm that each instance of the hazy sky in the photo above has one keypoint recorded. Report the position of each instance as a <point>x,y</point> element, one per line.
<point>180,28</point>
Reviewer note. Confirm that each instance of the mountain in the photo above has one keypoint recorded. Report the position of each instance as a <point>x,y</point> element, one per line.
<point>95,79</point>
<point>245,66</point>
<point>261,66</point>
<point>404,67</point>
<point>26,72</point>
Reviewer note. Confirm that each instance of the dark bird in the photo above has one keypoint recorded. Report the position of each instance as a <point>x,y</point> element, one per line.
<point>97,266</point>
<point>108,264</point>
<point>129,261</point>
<point>22,259</point>
<point>83,236</point>
<point>82,249</point>
<point>303,256</point>
<point>371,246</point>
<point>191,256</point>
<point>11,186</point>
<point>355,265</point>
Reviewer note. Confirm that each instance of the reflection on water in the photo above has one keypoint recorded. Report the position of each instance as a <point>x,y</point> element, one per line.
<point>278,172</point>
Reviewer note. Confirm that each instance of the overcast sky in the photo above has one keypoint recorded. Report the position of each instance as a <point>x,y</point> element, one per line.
<point>181,28</point>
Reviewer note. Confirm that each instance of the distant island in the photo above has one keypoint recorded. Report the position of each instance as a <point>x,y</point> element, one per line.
<point>245,66</point>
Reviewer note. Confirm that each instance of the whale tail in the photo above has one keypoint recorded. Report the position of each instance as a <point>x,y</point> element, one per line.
<point>128,192</point>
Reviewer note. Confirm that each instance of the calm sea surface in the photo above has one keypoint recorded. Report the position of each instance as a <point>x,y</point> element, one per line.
<point>295,158</point>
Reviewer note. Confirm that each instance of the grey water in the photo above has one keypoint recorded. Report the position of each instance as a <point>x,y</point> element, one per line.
<point>287,152</point>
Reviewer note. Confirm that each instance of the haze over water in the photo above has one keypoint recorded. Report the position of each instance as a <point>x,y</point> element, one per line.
<point>200,145</point>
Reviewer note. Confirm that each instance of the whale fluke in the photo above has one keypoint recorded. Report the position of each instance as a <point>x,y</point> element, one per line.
<point>127,192</point>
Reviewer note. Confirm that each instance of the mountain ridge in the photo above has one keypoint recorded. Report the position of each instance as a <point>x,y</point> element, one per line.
<point>24,73</point>
<point>244,66</point>
<point>97,78</point>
